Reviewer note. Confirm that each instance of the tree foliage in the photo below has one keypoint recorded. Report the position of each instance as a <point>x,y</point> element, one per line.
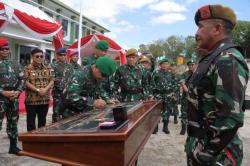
<point>186,46</point>
<point>241,36</point>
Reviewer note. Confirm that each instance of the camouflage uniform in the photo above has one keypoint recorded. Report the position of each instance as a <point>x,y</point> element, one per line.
<point>75,66</point>
<point>132,83</point>
<point>148,76</point>
<point>89,60</point>
<point>11,79</point>
<point>175,95</point>
<point>105,90</point>
<point>104,85</point>
<point>161,87</point>
<point>184,78</point>
<point>62,71</point>
<point>215,108</point>
<point>80,92</point>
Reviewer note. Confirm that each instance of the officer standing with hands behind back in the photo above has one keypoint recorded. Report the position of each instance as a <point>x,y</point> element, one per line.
<point>216,92</point>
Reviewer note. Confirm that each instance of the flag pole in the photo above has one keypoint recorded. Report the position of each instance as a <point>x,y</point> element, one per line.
<point>80,34</point>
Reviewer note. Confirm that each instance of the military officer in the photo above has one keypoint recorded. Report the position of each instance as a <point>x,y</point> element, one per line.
<point>184,83</point>
<point>61,70</point>
<point>175,94</point>
<point>161,87</point>
<point>147,68</point>
<point>216,91</point>
<point>73,61</point>
<point>130,79</point>
<point>101,49</point>
<point>11,85</point>
<point>81,93</point>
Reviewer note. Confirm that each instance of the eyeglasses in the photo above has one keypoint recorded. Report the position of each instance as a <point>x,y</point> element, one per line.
<point>4,48</point>
<point>39,56</point>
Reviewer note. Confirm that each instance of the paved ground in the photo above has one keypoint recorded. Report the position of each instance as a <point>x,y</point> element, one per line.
<point>160,150</point>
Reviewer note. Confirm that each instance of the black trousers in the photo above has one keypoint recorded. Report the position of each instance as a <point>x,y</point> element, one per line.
<point>36,110</point>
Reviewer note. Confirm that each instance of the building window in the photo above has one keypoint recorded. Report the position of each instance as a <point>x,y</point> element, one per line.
<point>88,31</point>
<point>84,31</point>
<point>76,31</point>
<point>65,27</point>
<point>25,57</point>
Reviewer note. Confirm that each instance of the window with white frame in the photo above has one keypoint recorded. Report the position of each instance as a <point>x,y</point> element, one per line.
<point>66,29</point>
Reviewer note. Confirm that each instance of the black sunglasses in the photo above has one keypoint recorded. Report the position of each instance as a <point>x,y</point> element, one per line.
<point>4,48</point>
<point>39,56</point>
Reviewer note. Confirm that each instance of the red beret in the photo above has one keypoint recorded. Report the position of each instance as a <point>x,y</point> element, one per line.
<point>73,53</point>
<point>215,12</point>
<point>4,42</point>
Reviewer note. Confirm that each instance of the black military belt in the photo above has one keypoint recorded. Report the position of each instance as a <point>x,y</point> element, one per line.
<point>196,132</point>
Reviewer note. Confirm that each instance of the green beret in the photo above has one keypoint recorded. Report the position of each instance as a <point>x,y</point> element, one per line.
<point>163,61</point>
<point>102,45</point>
<point>106,65</point>
<point>173,63</point>
<point>131,51</point>
<point>190,62</point>
<point>215,12</point>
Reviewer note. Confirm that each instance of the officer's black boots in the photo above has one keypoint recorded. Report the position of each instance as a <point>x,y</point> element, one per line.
<point>165,127</point>
<point>183,129</point>
<point>155,130</point>
<point>13,146</point>
<point>175,119</point>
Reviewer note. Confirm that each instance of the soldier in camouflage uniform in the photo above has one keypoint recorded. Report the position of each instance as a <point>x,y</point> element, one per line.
<point>11,85</point>
<point>175,94</point>
<point>81,93</point>
<point>184,82</point>
<point>146,65</point>
<point>61,70</point>
<point>101,49</point>
<point>130,79</point>
<point>73,61</point>
<point>161,86</point>
<point>216,92</point>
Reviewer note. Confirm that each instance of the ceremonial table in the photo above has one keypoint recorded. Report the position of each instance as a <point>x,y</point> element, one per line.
<point>80,141</point>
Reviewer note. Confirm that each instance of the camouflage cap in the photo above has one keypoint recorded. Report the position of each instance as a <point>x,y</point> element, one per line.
<point>131,51</point>
<point>4,42</point>
<point>165,60</point>
<point>106,65</point>
<point>144,59</point>
<point>215,12</point>
<point>102,45</point>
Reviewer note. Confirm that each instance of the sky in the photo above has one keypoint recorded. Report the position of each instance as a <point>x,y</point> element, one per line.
<point>135,22</point>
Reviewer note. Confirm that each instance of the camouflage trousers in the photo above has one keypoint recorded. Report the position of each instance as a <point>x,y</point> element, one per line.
<point>57,111</point>
<point>166,111</point>
<point>232,155</point>
<point>11,110</point>
<point>183,116</point>
<point>173,106</point>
